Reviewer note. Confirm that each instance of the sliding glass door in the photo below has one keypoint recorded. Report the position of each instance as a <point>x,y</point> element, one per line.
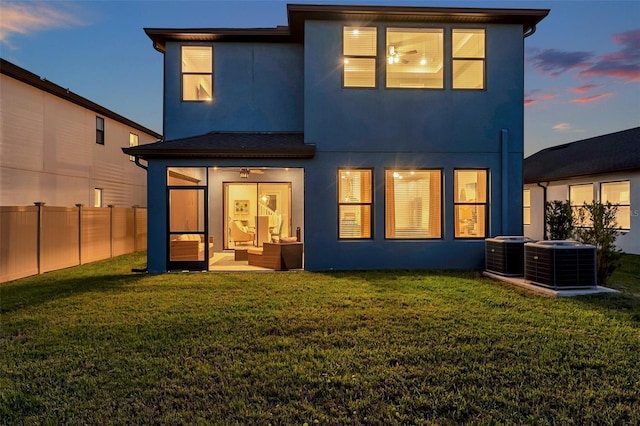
<point>255,213</point>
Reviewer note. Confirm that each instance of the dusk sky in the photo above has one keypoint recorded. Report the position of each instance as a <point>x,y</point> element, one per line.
<point>582,66</point>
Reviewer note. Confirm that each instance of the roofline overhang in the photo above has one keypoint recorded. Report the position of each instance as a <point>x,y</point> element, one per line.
<point>212,153</point>
<point>297,14</point>
<point>533,181</point>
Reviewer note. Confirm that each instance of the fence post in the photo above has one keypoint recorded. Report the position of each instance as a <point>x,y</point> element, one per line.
<point>40,205</point>
<point>79,206</point>
<point>110,230</point>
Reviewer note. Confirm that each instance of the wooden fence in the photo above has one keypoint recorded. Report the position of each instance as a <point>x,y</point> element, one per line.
<point>37,239</point>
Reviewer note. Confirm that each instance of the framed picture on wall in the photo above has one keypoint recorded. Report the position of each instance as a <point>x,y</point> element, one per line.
<point>241,207</point>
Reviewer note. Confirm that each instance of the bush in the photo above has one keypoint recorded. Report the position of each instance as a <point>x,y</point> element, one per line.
<point>559,220</point>
<point>602,233</point>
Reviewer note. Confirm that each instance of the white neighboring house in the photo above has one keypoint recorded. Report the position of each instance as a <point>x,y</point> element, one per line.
<point>604,168</point>
<point>62,149</point>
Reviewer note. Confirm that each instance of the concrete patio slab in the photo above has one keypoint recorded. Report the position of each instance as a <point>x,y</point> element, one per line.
<point>522,283</point>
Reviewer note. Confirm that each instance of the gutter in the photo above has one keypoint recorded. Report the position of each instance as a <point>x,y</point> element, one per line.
<point>544,210</point>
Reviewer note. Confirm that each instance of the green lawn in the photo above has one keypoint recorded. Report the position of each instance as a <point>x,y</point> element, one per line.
<point>98,344</point>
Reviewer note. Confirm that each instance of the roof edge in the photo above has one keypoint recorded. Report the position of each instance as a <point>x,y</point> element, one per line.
<point>297,14</point>
<point>17,73</point>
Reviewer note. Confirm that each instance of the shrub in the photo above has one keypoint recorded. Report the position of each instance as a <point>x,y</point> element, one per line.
<point>559,220</point>
<point>602,233</point>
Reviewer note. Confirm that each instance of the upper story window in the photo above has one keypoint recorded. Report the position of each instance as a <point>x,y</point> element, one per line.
<point>355,192</point>
<point>413,204</point>
<point>359,56</point>
<point>618,193</point>
<point>470,203</point>
<point>133,141</point>
<point>468,55</point>
<point>414,58</point>
<point>197,73</point>
<point>100,130</point>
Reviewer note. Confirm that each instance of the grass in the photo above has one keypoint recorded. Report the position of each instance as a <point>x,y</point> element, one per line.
<point>98,344</point>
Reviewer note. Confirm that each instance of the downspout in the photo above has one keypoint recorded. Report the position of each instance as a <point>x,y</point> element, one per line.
<point>530,31</point>
<point>504,136</point>
<point>142,166</point>
<point>544,210</point>
<point>137,161</point>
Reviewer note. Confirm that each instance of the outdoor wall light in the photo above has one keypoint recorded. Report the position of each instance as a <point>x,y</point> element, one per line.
<point>244,173</point>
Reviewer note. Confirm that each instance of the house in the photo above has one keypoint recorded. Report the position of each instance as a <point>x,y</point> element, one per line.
<point>603,168</point>
<point>62,149</point>
<point>380,137</point>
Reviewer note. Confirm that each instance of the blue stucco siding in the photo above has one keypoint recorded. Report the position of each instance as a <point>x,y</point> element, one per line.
<point>355,119</point>
<point>323,249</point>
<point>257,87</point>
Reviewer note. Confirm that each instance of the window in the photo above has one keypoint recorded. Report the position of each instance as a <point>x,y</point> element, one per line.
<point>470,203</point>
<point>413,204</point>
<point>414,58</point>
<point>468,54</point>
<point>354,203</point>
<point>133,141</point>
<point>197,73</point>
<point>359,56</point>
<point>618,193</point>
<point>100,130</point>
<point>578,196</point>
<point>97,197</point>
<point>526,207</point>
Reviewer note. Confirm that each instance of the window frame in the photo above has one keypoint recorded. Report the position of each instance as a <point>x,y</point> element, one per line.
<point>441,205</point>
<point>98,195</point>
<point>575,208</point>
<point>526,207</point>
<point>341,203</point>
<point>100,124</point>
<point>486,203</point>
<point>463,58</point>
<point>619,204</point>
<point>183,73</point>
<point>374,57</point>
<point>444,57</point>
<point>137,142</point>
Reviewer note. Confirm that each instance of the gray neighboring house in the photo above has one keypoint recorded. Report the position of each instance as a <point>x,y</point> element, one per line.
<point>604,168</point>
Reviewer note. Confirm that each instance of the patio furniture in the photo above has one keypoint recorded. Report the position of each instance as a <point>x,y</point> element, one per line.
<point>277,256</point>
<point>241,233</point>
<point>189,247</point>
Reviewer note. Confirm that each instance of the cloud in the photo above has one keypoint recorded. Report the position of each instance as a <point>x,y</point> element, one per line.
<point>566,128</point>
<point>624,64</point>
<point>585,88</point>
<point>26,18</point>
<point>534,96</point>
<point>555,62</point>
<point>591,98</point>
<point>562,127</point>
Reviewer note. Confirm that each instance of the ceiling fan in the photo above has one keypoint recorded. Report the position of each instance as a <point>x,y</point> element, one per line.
<point>244,172</point>
<point>395,56</point>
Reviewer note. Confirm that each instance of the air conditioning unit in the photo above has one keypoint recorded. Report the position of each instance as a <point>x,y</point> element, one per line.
<point>504,255</point>
<point>560,264</point>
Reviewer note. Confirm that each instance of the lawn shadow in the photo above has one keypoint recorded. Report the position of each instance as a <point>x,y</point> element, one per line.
<point>27,293</point>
